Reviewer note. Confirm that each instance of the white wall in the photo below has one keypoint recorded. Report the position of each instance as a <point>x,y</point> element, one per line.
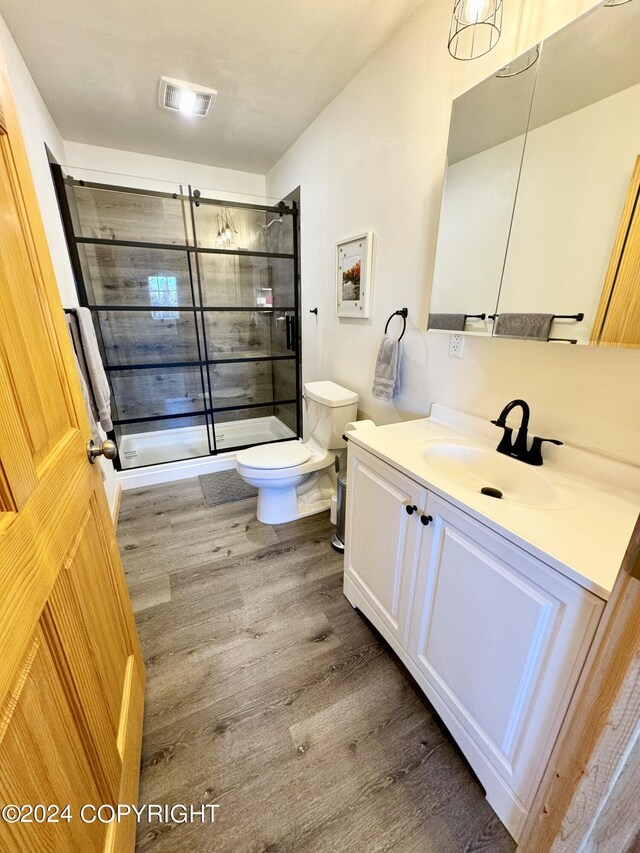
<point>91,162</point>
<point>38,129</point>
<point>374,159</point>
<point>474,226</point>
<point>575,179</point>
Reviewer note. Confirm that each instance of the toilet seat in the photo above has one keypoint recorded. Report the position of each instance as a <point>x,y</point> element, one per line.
<point>285,454</point>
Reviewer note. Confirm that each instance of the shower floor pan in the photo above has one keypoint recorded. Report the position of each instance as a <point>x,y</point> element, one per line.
<point>172,445</point>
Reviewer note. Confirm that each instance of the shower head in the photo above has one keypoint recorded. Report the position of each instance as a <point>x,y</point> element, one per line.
<point>273,221</point>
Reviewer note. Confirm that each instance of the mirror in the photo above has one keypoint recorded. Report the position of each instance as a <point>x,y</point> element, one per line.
<point>568,270</point>
<point>484,156</point>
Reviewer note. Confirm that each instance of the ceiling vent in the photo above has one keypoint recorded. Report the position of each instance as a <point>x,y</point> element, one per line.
<point>187,98</point>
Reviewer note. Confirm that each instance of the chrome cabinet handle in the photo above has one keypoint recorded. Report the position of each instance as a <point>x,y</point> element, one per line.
<point>108,449</point>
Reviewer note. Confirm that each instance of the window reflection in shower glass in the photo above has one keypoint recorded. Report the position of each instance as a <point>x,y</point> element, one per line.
<point>163,290</point>
<point>120,275</point>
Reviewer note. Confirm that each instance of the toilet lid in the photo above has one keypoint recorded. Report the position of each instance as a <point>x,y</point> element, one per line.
<point>286,454</point>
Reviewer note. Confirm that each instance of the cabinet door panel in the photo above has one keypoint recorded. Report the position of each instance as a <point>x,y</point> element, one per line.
<point>501,638</point>
<point>382,537</point>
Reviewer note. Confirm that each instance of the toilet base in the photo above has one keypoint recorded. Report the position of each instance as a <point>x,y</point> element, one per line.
<point>294,501</point>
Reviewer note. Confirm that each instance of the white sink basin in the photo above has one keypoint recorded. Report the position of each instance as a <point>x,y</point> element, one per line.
<point>475,468</point>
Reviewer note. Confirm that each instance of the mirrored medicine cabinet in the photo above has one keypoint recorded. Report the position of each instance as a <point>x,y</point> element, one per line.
<point>539,233</point>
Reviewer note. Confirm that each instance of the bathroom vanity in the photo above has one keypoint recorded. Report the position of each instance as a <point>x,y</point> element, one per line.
<point>491,604</point>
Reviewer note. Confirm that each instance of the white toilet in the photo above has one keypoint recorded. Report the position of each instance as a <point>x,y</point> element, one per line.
<point>293,478</point>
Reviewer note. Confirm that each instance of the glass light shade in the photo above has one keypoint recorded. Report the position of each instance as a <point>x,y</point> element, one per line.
<point>469,12</point>
<point>521,63</point>
<point>475,28</point>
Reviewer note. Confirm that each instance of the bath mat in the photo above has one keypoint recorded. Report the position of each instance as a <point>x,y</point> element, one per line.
<point>224,487</point>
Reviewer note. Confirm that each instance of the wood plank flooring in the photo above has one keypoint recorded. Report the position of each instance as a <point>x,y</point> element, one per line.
<point>268,694</point>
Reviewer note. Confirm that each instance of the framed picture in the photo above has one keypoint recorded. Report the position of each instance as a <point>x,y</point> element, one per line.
<point>354,268</point>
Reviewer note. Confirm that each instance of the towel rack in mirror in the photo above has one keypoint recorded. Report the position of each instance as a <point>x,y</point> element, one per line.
<point>577,317</point>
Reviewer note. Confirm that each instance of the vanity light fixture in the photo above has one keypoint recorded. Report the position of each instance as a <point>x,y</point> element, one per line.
<point>187,98</point>
<point>521,63</point>
<point>475,28</point>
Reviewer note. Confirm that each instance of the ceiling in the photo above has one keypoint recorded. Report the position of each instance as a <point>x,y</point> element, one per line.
<point>275,63</point>
<point>591,59</point>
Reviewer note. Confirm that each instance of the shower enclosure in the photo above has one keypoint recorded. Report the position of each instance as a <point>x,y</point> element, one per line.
<point>196,307</point>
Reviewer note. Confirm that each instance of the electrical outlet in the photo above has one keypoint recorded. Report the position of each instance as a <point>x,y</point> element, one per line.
<point>456,345</point>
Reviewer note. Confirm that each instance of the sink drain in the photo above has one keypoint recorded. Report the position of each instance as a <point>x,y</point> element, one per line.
<point>491,492</point>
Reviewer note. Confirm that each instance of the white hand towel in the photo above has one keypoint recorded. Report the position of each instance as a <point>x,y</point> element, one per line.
<point>96,375</point>
<point>387,372</point>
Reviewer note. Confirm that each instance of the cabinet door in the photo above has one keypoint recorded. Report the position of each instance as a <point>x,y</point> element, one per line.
<point>381,540</point>
<point>500,639</point>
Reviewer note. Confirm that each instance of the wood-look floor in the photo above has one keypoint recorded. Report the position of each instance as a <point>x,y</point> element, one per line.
<point>268,694</point>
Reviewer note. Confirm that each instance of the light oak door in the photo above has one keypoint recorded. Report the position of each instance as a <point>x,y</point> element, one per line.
<point>617,322</point>
<point>382,539</point>
<point>71,672</point>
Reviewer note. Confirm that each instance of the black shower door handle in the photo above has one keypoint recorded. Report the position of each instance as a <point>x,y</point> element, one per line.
<point>287,326</point>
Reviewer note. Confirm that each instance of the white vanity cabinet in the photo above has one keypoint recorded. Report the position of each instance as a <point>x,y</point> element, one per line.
<point>494,637</point>
<point>384,539</point>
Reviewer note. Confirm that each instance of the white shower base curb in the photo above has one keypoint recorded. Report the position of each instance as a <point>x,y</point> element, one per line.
<point>170,471</point>
<point>239,433</point>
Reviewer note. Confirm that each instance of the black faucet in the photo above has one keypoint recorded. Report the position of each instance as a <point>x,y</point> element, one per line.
<point>519,449</point>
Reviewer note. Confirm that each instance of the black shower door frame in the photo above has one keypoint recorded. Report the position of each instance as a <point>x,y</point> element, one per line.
<point>197,308</point>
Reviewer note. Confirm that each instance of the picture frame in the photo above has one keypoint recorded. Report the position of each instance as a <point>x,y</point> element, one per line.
<point>354,267</point>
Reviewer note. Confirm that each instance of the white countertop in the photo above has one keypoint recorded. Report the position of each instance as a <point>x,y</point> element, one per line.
<point>582,533</point>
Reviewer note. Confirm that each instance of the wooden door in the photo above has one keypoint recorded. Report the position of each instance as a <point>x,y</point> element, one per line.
<point>71,673</point>
<point>500,638</point>
<point>381,538</point>
<point>617,322</point>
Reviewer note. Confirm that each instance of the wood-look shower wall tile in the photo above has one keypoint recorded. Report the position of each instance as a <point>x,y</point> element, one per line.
<point>110,215</point>
<point>288,415</point>
<point>241,384</point>
<point>228,280</point>
<point>238,334</point>
<point>166,391</point>
<point>247,223</point>
<point>243,414</point>
<point>284,380</point>
<point>135,337</point>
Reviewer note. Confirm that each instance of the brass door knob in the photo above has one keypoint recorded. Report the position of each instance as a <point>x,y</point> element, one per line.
<point>108,449</point>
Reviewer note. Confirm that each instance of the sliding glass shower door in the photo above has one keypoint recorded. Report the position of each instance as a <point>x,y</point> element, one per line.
<point>195,304</point>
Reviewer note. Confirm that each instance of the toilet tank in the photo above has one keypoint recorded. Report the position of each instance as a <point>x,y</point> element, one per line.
<point>329,408</point>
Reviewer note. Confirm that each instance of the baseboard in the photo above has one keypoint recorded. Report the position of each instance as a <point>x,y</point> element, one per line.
<point>153,475</point>
<point>115,509</point>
